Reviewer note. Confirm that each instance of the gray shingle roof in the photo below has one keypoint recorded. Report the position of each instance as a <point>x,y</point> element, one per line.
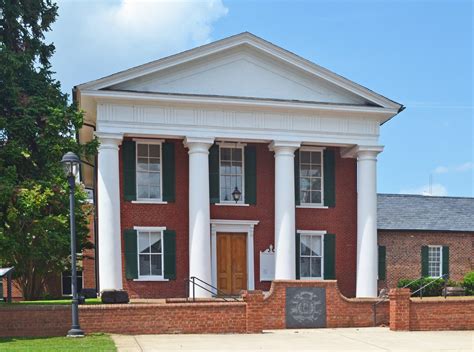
<point>415,212</point>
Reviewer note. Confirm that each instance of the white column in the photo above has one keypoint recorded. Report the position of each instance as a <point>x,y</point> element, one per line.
<point>285,234</point>
<point>108,199</point>
<point>367,221</point>
<point>199,211</point>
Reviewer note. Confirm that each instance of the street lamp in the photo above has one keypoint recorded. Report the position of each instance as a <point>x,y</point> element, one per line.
<point>236,194</point>
<point>71,163</point>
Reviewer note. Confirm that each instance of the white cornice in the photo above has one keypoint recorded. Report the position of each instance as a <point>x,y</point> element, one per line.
<point>353,152</point>
<point>138,97</point>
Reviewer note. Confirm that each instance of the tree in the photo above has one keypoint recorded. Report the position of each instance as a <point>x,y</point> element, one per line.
<point>37,126</point>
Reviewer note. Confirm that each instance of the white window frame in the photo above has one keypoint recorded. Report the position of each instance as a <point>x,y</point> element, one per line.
<point>82,279</point>
<point>156,142</point>
<point>313,233</point>
<point>151,277</point>
<point>241,146</point>
<point>440,261</point>
<point>312,149</point>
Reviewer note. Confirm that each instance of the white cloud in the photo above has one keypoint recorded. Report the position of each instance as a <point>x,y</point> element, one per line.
<point>97,38</point>
<point>465,167</point>
<point>437,189</point>
<point>441,170</point>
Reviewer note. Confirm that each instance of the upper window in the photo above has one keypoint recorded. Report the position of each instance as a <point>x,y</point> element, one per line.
<point>434,261</point>
<point>311,177</point>
<point>150,254</point>
<point>148,171</point>
<point>311,256</point>
<point>231,173</point>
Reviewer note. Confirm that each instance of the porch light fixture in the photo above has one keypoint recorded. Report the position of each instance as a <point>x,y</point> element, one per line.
<point>71,164</point>
<point>236,194</point>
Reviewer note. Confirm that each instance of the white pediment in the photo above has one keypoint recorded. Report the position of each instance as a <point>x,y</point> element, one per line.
<point>242,71</point>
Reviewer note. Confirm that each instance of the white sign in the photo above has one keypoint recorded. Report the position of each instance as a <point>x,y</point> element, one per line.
<point>267,264</point>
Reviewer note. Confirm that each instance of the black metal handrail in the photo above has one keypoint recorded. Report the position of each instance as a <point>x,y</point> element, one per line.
<point>420,290</point>
<point>192,280</point>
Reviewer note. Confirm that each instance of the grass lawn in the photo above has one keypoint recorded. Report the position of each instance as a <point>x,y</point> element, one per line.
<point>93,342</point>
<point>53,301</point>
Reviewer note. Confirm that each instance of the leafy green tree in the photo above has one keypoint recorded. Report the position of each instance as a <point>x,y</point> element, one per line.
<point>37,126</point>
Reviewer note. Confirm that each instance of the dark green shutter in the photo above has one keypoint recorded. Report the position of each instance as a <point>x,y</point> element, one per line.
<point>382,262</point>
<point>214,192</point>
<point>329,171</point>
<point>424,261</point>
<point>1,288</point>
<point>250,174</point>
<point>297,256</point>
<point>170,254</point>
<point>169,172</point>
<point>129,172</point>
<point>297,177</point>
<point>131,254</point>
<point>446,261</point>
<point>329,256</point>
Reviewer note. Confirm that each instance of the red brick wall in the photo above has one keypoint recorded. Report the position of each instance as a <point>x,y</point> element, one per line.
<point>431,313</point>
<point>340,220</point>
<point>404,253</point>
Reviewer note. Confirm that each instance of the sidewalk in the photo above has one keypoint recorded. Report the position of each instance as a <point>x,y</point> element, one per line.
<point>347,339</point>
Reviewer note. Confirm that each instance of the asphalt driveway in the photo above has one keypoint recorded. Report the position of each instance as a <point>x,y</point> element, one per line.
<point>347,339</point>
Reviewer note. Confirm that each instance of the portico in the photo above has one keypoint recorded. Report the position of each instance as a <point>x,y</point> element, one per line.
<point>323,114</point>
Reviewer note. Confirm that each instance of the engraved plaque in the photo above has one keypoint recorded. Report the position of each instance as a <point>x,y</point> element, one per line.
<point>305,307</point>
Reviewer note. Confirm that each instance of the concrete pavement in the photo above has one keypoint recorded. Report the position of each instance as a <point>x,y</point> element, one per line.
<point>346,339</point>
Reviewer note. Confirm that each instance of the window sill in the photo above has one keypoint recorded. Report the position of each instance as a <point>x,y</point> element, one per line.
<point>148,202</point>
<point>233,204</point>
<point>309,206</point>
<point>150,279</point>
<point>311,278</point>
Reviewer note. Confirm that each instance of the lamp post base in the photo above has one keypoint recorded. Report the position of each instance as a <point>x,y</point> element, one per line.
<point>75,333</point>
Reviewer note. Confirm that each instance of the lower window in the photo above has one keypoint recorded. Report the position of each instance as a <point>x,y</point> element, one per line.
<point>150,254</point>
<point>434,261</point>
<point>66,279</point>
<point>311,256</point>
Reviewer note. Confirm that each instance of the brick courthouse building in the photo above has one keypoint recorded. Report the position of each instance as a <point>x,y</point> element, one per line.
<point>179,135</point>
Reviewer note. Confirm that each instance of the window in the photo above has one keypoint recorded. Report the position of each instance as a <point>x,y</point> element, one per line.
<point>148,171</point>
<point>66,281</point>
<point>311,176</point>
<point>434,261</point>
<point>150,254</point>
<point>231,173</point>
<point>311,256</point>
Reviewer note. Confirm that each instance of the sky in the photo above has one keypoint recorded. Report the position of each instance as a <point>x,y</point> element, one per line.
<point>418,53</point>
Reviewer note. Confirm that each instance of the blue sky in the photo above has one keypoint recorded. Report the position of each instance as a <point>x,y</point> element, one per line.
<point>418,53</point>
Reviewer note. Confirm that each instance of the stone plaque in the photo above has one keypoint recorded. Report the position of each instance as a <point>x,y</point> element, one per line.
<point>305,307</point>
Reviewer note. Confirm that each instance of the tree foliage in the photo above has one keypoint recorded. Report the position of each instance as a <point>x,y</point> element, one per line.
<point>37,126</point>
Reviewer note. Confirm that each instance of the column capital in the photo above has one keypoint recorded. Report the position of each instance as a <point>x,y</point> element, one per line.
<point>109,140</point>
<point>284,146</point>
<point>362,151</point>
<point>198,144</point>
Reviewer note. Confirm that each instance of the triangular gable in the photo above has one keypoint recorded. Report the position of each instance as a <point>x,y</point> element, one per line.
<point>242,66</point>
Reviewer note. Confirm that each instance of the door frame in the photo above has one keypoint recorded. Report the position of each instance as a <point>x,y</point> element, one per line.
<point>233,226</point>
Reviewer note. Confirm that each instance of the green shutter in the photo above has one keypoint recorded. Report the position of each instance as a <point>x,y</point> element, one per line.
<point>129,172</point>
<point>1,288</point>
<point>297,177</point>
<point>131,254</point>
<point>214,192</point>
<point>169,249</point>
<point>382,262</point>
<point>446,260</point>
<point>297,256</point>
<point>424,261</point>
<point>250,174</point>
<point>329,256</point>
<point>169,172</point>
<point>329,171</point>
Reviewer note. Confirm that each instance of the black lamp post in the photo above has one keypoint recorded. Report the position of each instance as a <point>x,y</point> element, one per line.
<point>71,163</point>
<point>236,194</point>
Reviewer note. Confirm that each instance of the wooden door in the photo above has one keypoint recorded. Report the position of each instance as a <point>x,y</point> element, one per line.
<point>231,262</point>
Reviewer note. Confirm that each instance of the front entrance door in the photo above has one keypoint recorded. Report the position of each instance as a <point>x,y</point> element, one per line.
<point>231,262</point>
